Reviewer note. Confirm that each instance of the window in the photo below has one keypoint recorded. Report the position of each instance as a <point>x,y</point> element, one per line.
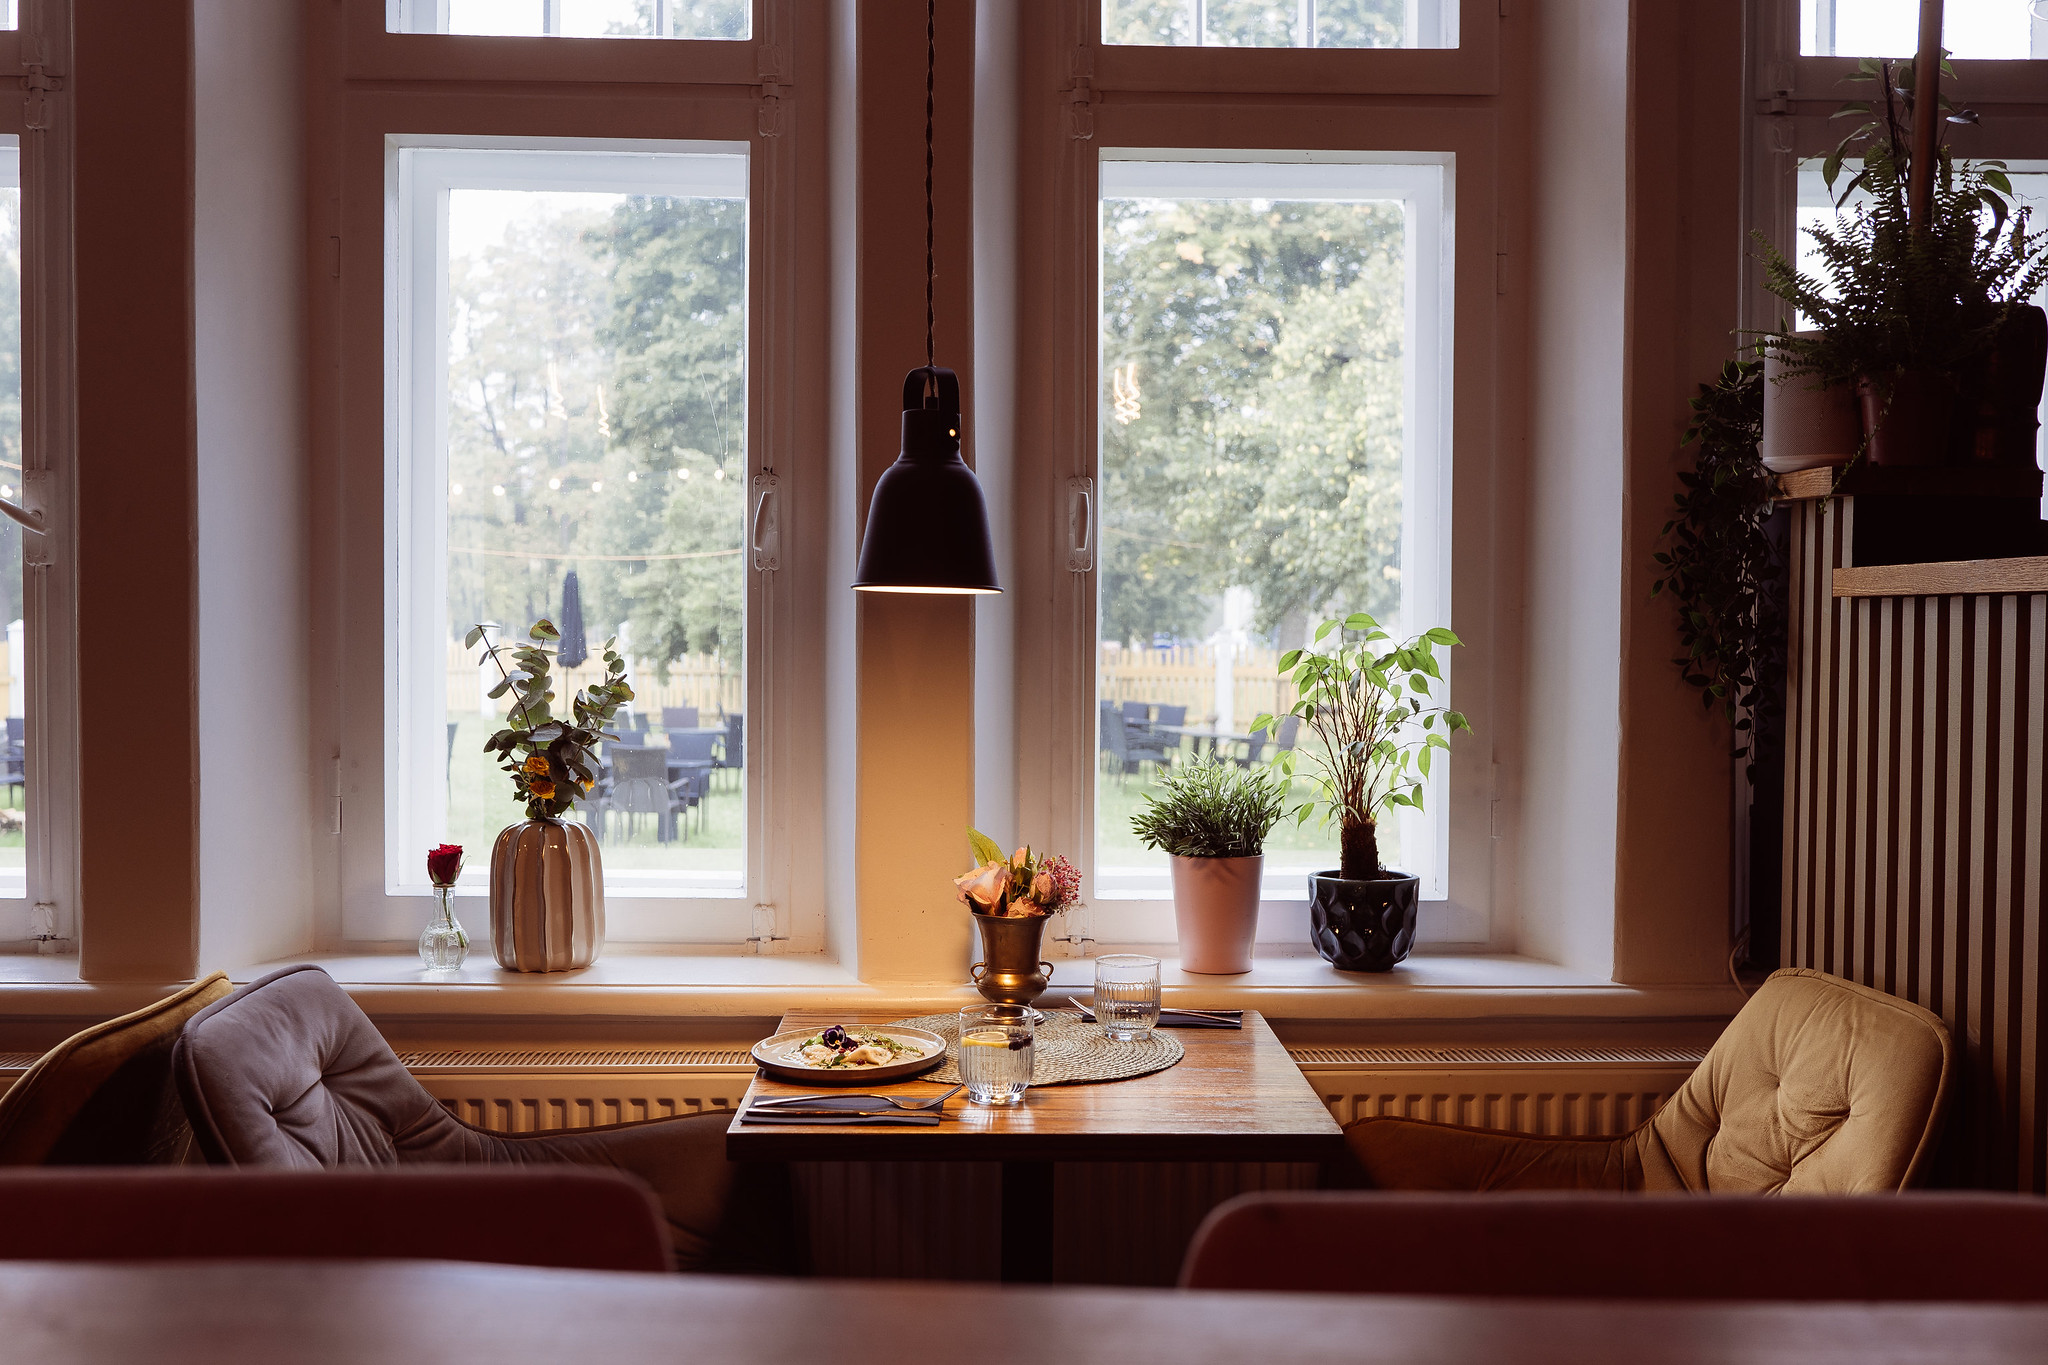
<point>700,19</point>
<point>14,788</point>
<point>570,335</point>
<point>1274,440</point>
<point>1971,29</point>
<point>1281,23</point>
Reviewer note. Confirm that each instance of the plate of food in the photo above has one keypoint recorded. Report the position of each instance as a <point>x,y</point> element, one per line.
<point>861,1054</point>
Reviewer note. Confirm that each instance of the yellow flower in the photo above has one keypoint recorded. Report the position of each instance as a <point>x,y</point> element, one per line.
<point>538,764</point>
<point>541,787</point>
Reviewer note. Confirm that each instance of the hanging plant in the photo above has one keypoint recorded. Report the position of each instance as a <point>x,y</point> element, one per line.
<point>1720,566</point>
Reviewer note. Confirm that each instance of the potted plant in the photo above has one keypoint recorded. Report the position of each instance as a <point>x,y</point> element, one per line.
<point>1924,317</point>
<point>547,877</point>
<point>1011,898</point>
<point>1211,820</point>
<point>1368,701</point>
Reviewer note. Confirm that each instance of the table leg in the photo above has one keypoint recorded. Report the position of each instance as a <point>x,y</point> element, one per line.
<point>1027,1222</point>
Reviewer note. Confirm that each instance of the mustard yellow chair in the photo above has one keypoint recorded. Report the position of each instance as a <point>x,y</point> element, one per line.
<point>1819,1086</point>
<point>105,1097</point>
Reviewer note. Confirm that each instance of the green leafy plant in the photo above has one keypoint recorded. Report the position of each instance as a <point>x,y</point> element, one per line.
<point>1719,565</point>
<point>1369,701</point>
<point>549,758</point>
<point>1209,809</point>
<point>1899,294</point>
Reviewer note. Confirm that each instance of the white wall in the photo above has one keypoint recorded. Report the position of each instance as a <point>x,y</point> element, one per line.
<point>257,823</point>
<point>1571,689</point>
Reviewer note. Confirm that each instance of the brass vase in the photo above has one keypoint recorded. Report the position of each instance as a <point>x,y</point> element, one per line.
<point>1009,972</point>
<point>547,897</point>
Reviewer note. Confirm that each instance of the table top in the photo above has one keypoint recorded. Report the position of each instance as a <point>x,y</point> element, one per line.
<point>1235,1096</point>
<point>203,1313</point>
<point>1199,731</point>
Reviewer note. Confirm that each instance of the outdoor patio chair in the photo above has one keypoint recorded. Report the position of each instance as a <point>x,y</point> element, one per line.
<point>1172,715</point>
<point>690,754</point>
<point>734,754</point>
<point>678,717</point>
<point>1137,716</point>
<point>1127,753</point>
<point>639,786</point>
<point>1283,740</point>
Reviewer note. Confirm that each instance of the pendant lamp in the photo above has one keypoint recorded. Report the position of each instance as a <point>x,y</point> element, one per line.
<point>927,526</point>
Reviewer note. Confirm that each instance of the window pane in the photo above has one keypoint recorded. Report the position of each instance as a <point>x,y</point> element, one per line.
<point>1891,28</point>
<point>595,466</point>
<point>702,19</point>
<point>13,778</point>
<point>1262,341</point>
<point>1281,23</point>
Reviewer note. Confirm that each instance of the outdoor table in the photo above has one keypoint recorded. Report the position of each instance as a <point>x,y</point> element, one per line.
<point>1235,1097</point>
<point>206,1312</point>
<point>1198,733</point>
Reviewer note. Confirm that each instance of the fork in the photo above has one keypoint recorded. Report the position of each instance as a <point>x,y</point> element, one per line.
<point>928,1102</point>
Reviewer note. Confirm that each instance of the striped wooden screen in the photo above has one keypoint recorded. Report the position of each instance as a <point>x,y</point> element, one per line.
<point>1914,824</point>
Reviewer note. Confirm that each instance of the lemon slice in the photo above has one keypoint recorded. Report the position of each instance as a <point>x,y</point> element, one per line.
<point>988,1037</point>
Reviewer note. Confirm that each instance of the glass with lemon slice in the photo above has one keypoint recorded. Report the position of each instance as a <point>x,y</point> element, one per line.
<point>994,1052</point>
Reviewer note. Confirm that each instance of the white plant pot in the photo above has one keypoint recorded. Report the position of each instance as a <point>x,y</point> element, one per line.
<point>1216,907</point>
<point>1805,427</point>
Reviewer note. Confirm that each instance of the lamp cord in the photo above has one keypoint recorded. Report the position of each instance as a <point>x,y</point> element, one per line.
<point>931,66</point>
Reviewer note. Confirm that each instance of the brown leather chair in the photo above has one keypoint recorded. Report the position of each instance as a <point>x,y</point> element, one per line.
<point>1977,1247</point>
<point>104,1097</point>
<point>562,1217</point>
<point>288,1071</point>
<point>1819,1086</point>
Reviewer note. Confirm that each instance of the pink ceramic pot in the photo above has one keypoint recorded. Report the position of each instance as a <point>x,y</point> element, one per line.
<point>1216,906</point>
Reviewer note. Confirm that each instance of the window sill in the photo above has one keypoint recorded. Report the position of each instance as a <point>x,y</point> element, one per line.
<point>656,985</point>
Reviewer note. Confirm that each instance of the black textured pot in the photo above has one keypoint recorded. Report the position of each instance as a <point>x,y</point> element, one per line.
<point>1362,926</point>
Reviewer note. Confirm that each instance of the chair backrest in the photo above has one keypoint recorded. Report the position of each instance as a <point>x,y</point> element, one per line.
<point>1628,1246</point>
<point>639,780</point>
<point>567,1217</point>
<point>1818,1086</point>
<point>678,717</point>
<point>735,755</point>
<point>104,1097</point>
<point>1289,731</point>
<point>691,748</point>
<point>1172,715</point>
<point>288,1071</point>
<point>635,722</point>
<point>1139,712</point>
<point>1116,741</point>
<point>17,727</point>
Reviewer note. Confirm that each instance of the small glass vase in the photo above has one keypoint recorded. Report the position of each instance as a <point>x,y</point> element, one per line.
<point>443,944</point>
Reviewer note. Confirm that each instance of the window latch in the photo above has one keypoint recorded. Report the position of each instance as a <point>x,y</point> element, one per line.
<point>38,83</point>
<point>766,538</point>
<point>1081,109</point>
<point>1080,525</point>
<point>764,938</point>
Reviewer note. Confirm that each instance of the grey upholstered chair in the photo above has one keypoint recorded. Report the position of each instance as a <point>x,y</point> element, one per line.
<point>289,1072</point>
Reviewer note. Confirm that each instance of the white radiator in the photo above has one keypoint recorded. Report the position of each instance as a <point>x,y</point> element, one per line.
<point>937,1220</point>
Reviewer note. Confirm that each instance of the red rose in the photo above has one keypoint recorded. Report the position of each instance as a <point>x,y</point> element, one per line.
<point>444,864</point>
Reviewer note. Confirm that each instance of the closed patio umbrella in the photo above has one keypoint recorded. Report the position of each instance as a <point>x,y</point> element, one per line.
<point>573,647</point>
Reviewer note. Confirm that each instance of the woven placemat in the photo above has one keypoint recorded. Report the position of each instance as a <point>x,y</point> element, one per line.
<point>1066,1050</point>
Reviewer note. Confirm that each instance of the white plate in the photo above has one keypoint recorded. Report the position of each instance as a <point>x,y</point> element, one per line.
<point>773,1055</point>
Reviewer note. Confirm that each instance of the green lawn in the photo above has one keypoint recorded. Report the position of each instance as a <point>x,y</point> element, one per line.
<point>480,804</point>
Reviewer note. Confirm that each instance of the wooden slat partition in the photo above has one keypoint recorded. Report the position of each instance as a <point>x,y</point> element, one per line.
<point>1914,824</point>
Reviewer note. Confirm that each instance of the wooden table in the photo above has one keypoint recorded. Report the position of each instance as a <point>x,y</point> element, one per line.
<point>206,1313</point>
<point>1235,1096</point>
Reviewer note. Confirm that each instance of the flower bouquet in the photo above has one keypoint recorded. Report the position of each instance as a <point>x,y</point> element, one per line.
<point>1011,898</point>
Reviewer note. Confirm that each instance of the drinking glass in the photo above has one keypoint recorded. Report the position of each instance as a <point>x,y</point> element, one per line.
<point>995,1053</point>
<point>1127,995</point>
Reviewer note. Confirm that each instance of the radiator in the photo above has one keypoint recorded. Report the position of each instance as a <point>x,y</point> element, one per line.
<point>937,1220</point>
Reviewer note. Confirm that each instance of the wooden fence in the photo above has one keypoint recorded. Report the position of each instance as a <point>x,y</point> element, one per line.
<point>706,681</point>
<point>1186,676</point>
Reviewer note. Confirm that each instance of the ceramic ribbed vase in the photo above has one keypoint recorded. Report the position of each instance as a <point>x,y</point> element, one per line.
<point>547,897</point>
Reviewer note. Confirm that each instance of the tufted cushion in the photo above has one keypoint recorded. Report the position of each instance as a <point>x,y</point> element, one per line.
<point>288,1071</point>
<point>104,1097</point>
<point>1819,1086</point>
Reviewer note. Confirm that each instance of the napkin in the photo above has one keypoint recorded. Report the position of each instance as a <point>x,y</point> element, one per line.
<point>907,1118</point>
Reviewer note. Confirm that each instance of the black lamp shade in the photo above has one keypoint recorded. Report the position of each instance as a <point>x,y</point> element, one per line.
<point>927,527</point>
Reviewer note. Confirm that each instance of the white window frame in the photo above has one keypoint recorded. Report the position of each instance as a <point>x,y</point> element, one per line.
<point>548,94</point>
<point>1138,906</point>
<point>431,16</point>
<point>1212,104</point>
<point>45,919</point>
<point>423,172</point>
